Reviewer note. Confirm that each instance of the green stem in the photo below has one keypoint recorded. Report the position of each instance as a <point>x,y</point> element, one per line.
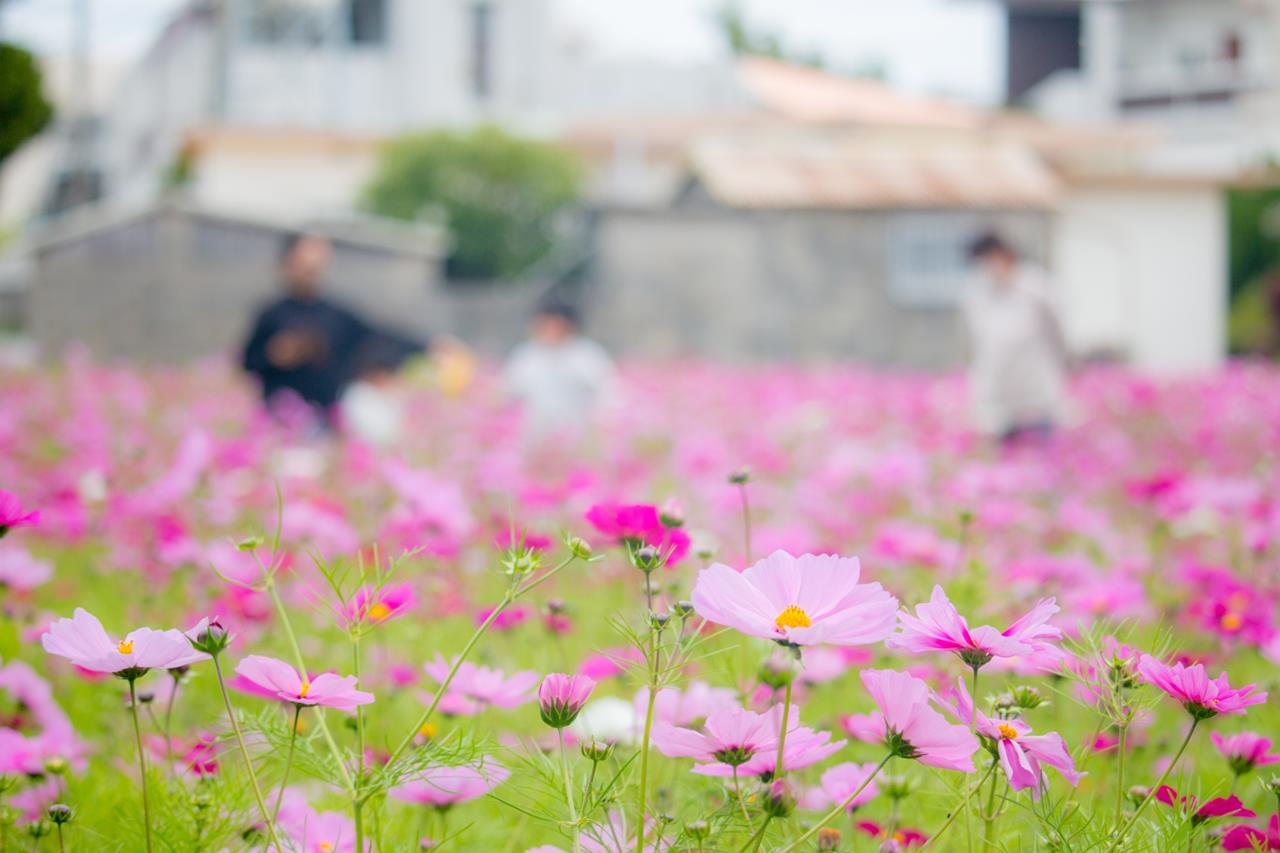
<point>642,803</point>
<point>288,761</point>
<point>357,804</point>
<point>568,795</point>
<point>1124,830</point>
<point>1120,776</point>
<point>963,807</point>
<point>62,847</point>
<point>973,729</point>
<point>737,786</point>
<point>142,759</point>
<point>779,770</point>
<point>591,781</point>
<point>746,521</point>
<point>989,815</point>
<point>168,721</point>
<point>839,809</point>
<point>755,840</point>
<point>244,753</point>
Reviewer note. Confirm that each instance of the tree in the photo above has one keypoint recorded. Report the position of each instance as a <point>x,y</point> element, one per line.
<point>745,39</point>
<point>501,194</point>
<point>24,111</point>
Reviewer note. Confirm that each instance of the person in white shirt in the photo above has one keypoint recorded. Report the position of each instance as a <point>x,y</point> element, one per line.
<point>560,377</point>
<point>1017,373</point>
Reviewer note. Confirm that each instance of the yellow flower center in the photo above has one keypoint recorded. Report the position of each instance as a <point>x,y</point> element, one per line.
<point>379,611</point>
<point>1007,731</point>
<point>325,845</point>
<point>125,647</point>
<point>305,689</point>
<point>1232,621</point>
<point>793,617</point>
<point>429,730</point>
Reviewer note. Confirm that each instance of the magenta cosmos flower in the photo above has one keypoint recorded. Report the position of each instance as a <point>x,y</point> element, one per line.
<point>637,525</point>
<point>449,786</point>
<point>1220,807</point>
<point>1023,755</point>
<point>327,690</point>
<point>1244,751</point>
<point>938,626</point>
<point>798,601</point>
<point>13,515</point>
<point>83,641</point>
<point>913,728</point>
<point>1201,696</point>
<point>1244,837</point>
<point>561,697</point>
<point>21,571</point>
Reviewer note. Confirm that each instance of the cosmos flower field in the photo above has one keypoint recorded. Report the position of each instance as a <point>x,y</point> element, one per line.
<point>766,609</point>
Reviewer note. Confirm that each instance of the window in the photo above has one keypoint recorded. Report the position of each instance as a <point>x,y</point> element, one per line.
<point>481,50</point>
<point>927,261</point>
<point>367,21</point>
<point>284,22</point>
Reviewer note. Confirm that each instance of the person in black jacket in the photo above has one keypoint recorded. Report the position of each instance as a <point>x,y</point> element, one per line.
<point>303,342</point>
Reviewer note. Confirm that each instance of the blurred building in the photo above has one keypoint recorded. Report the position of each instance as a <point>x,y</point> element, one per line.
<point>832,221</point>
<point>1203,71</point>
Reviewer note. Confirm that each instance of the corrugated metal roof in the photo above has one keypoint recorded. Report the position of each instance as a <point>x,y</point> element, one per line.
<point>815,96</point>
<point>856,172</point>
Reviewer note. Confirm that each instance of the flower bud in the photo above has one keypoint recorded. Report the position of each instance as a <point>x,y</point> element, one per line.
<point>213,640</point>
<point>740,477</point>
<point>658,621</point>
<point>683,609</point>
<point>561,697</point>
<point>56,765</point>
<point>646,558</point>
<point>60,813</point>
<point>828,839</point>
<point>698,830</point>
<point>596,751</point>
<point>556,606</point>
<point>578,547</point>
<point>146,697</point>
<point>1028,698</point>
<point>249,543</point>
<point>8,815</point>
<point>896,787</point>
<point>778,799</point>
<point>39,828</point>
<point>1273,785</point>
<point>671,514</point>
<point>1139,793</point>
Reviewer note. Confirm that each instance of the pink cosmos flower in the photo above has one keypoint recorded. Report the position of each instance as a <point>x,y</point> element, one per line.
<point>801,601</point>
<point>328,690</point>
<point>838,782</point>
<point>1219,807</point>
<point>561,697</point>
<point>637,525</point>
<point>1244,837</point>
<point>937,626</point>
<point>83,641</point>
<point>1244,751</point>
<point>21,571</point>
<point>512,617</point>
<point>374,606</point>
<point>475,687</point>
<point>688,707</point>
<point>1022,754</point>
<point>1203,698</point>
<point>736,737</point>
<point>449,786</point>
<point>913,728</point>
<point>732,737</point>
<point>313,831</point>
<point>13,515</point>
<point>868,728</point>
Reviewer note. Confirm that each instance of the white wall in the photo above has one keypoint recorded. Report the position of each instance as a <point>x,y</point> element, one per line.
<point>301,183</point>
<point>1143,271</point>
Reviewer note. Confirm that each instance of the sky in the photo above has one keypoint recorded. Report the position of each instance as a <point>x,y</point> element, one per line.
<point>946,47</point>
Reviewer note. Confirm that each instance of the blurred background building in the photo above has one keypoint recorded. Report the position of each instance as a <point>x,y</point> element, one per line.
<point>749,206</point>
